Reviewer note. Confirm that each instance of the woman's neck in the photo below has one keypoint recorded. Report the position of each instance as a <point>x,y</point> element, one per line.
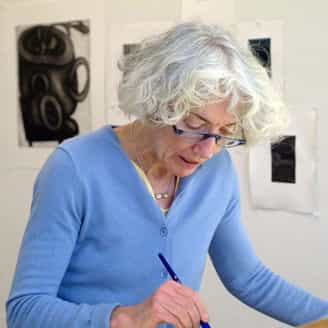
<point>137,140</point>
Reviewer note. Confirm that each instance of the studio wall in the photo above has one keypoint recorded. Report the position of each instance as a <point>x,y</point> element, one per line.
<point>293,245</point>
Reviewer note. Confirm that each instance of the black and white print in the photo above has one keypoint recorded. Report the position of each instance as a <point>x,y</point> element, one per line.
<point>53,82</point>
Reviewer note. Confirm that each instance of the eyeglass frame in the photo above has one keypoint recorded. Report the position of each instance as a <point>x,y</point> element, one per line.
<point>205,136</point>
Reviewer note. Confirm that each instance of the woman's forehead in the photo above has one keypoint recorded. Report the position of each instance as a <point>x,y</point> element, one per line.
<point>216,114</point>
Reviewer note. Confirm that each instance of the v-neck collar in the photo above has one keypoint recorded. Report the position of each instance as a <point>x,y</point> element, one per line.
<point>184,183</point>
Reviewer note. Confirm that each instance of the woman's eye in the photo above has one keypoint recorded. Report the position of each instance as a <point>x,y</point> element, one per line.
<point>194,126</point>
<point>229,131</point>
<point>226,132</point>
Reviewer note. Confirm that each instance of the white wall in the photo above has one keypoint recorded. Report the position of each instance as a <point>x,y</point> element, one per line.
<point>292,245</point>
<point>16,184</point>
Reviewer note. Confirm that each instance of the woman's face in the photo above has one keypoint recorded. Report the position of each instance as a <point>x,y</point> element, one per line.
<point>181,158</point>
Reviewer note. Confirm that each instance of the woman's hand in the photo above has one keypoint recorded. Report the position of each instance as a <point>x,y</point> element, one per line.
<point>171,303</point>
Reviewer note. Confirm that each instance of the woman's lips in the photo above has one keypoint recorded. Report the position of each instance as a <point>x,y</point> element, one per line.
<point>189,162</point>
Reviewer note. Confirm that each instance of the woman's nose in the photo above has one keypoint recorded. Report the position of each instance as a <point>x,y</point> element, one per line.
<point>205,148</point>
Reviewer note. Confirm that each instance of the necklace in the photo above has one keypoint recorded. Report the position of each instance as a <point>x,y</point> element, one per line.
<point>137,159</point>
<point>163,195</point>
<point>157,195</point>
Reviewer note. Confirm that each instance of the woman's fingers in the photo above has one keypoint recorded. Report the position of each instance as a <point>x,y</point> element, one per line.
<point>178,303</point>
<point>196,301</point>
<point>178,308</point>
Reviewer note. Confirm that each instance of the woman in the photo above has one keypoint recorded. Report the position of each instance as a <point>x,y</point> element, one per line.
<point>105,204</point>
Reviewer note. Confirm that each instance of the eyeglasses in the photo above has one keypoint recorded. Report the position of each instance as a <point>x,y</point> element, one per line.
<point>194,137</point>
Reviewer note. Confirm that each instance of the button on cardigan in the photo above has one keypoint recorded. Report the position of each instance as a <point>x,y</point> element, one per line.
<point>94,232</point>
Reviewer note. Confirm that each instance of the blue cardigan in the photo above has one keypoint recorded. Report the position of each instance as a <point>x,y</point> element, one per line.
<point>94,233</point>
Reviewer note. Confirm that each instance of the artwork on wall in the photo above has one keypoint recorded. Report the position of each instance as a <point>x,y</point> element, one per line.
<point>283,176</point>
<point>283,160</point>
<point>128,48</point>
<point>264,38</point>
<point>122,40</point>
<point>54,69</point>
<point>53,88</point>
<point>261,48</point>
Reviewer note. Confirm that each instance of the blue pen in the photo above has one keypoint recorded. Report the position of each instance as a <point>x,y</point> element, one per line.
<point>175,278</point>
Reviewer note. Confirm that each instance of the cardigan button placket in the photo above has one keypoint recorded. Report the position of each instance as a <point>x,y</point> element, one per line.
<point>163,231</point>
<point>164,274</point>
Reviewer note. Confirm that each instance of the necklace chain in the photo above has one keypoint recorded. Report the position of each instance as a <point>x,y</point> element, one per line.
<point>161,195</point>
<point>157,195</point>
<point>165,194</point>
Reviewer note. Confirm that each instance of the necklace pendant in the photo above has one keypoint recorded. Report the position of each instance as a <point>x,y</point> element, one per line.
<point>158,196</point>
<point>161,195</point>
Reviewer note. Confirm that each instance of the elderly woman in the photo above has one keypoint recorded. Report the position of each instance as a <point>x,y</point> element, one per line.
<point>105,204</point>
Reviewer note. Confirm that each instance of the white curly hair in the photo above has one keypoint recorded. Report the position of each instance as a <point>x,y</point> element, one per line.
<point>194,64</point>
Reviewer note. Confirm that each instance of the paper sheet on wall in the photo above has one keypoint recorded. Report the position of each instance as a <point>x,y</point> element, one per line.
<point>120,36</point>
<point>267,34</point>
<point>209,11</point>
<point>284,176</point>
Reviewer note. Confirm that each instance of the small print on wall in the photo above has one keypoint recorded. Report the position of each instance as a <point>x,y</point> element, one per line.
<point>283,160</point>
<point>53,81</point>
<point>130,48</point>
<point>283,175</point>
<point>261,48</point>
<point>265,40</point>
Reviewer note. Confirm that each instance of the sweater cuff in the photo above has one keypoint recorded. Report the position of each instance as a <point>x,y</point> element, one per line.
<point>102,314</point>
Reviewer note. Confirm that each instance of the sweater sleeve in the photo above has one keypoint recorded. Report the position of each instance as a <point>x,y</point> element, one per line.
<point>250,281</point>
<point>48,243</point>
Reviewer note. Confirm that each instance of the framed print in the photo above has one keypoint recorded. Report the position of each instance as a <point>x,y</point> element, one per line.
<point>54,71</point>
<point>122,40</point>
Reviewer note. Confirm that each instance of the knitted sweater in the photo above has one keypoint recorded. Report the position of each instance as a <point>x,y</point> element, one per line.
<point>94,233</point>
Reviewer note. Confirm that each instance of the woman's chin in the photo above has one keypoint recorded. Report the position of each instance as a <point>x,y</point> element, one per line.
<point>185,168</point>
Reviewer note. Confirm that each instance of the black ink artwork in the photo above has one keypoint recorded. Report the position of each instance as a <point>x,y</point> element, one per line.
<point>261,49</point>
<point>48,81</point>
<point>128,48</point>
<point>284,160</point>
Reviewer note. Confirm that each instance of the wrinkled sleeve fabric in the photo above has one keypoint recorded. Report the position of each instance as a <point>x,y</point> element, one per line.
<point>47,246</point>
<point>253,283</point>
